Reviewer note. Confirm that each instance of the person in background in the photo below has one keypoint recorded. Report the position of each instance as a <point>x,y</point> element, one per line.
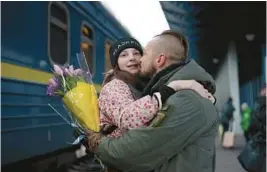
<point>258,118</point>
<point>246,113</point>
<point>253,156</point>
<point>227,115</point>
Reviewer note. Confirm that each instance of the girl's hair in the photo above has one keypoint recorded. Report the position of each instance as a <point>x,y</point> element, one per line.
<point>108,76</point>
<point>119,74</point>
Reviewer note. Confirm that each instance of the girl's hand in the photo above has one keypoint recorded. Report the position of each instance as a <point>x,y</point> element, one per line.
<point>191,85</point>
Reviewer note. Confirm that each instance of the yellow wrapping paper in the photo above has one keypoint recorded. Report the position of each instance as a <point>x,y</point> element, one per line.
<point>81,101</point>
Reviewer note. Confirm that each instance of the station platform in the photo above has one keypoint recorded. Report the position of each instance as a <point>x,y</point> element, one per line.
<point>226,159</point>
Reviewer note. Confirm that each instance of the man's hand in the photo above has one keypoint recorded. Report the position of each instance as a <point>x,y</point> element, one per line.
<point>93,138</point>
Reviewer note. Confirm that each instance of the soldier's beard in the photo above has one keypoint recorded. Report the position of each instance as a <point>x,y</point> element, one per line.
<point>150,72</point>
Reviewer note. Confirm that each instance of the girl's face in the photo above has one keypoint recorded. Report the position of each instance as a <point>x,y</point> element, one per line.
<point>129,60</point>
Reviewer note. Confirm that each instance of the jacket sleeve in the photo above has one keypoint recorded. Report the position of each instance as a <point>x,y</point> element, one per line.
<point>117,103</point>
<point>145,149</point>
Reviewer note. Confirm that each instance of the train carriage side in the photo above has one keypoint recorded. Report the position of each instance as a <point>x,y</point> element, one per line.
<point>36,35</point>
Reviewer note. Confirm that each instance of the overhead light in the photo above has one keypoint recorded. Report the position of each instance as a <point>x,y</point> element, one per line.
<point>215,60</point>
<point>250,37</point>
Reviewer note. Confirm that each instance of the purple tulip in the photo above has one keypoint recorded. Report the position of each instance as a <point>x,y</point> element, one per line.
<point>77,72</point>
<point>67,72</point>
<point>53,82</point>
<point>50,90</point>
<point>58,70</point>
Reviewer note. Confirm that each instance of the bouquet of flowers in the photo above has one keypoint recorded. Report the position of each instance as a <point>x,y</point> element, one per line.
<point>78,94</point>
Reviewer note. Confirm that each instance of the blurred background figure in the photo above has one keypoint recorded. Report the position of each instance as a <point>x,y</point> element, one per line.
<point>246,113</point>
<point>258,118</point>
<point>253,157</point>
<point>227,115</point>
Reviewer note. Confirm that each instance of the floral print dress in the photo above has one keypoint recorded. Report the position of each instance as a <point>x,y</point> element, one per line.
<point>119,108</point>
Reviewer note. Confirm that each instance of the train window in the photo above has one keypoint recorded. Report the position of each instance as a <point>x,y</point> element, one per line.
<point>58,36</point>
<point>107,56</point>
<point>87,46</point>
<point>87,32</point>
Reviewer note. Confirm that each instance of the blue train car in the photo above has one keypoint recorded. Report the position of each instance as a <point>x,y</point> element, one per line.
<point>36,35</point>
